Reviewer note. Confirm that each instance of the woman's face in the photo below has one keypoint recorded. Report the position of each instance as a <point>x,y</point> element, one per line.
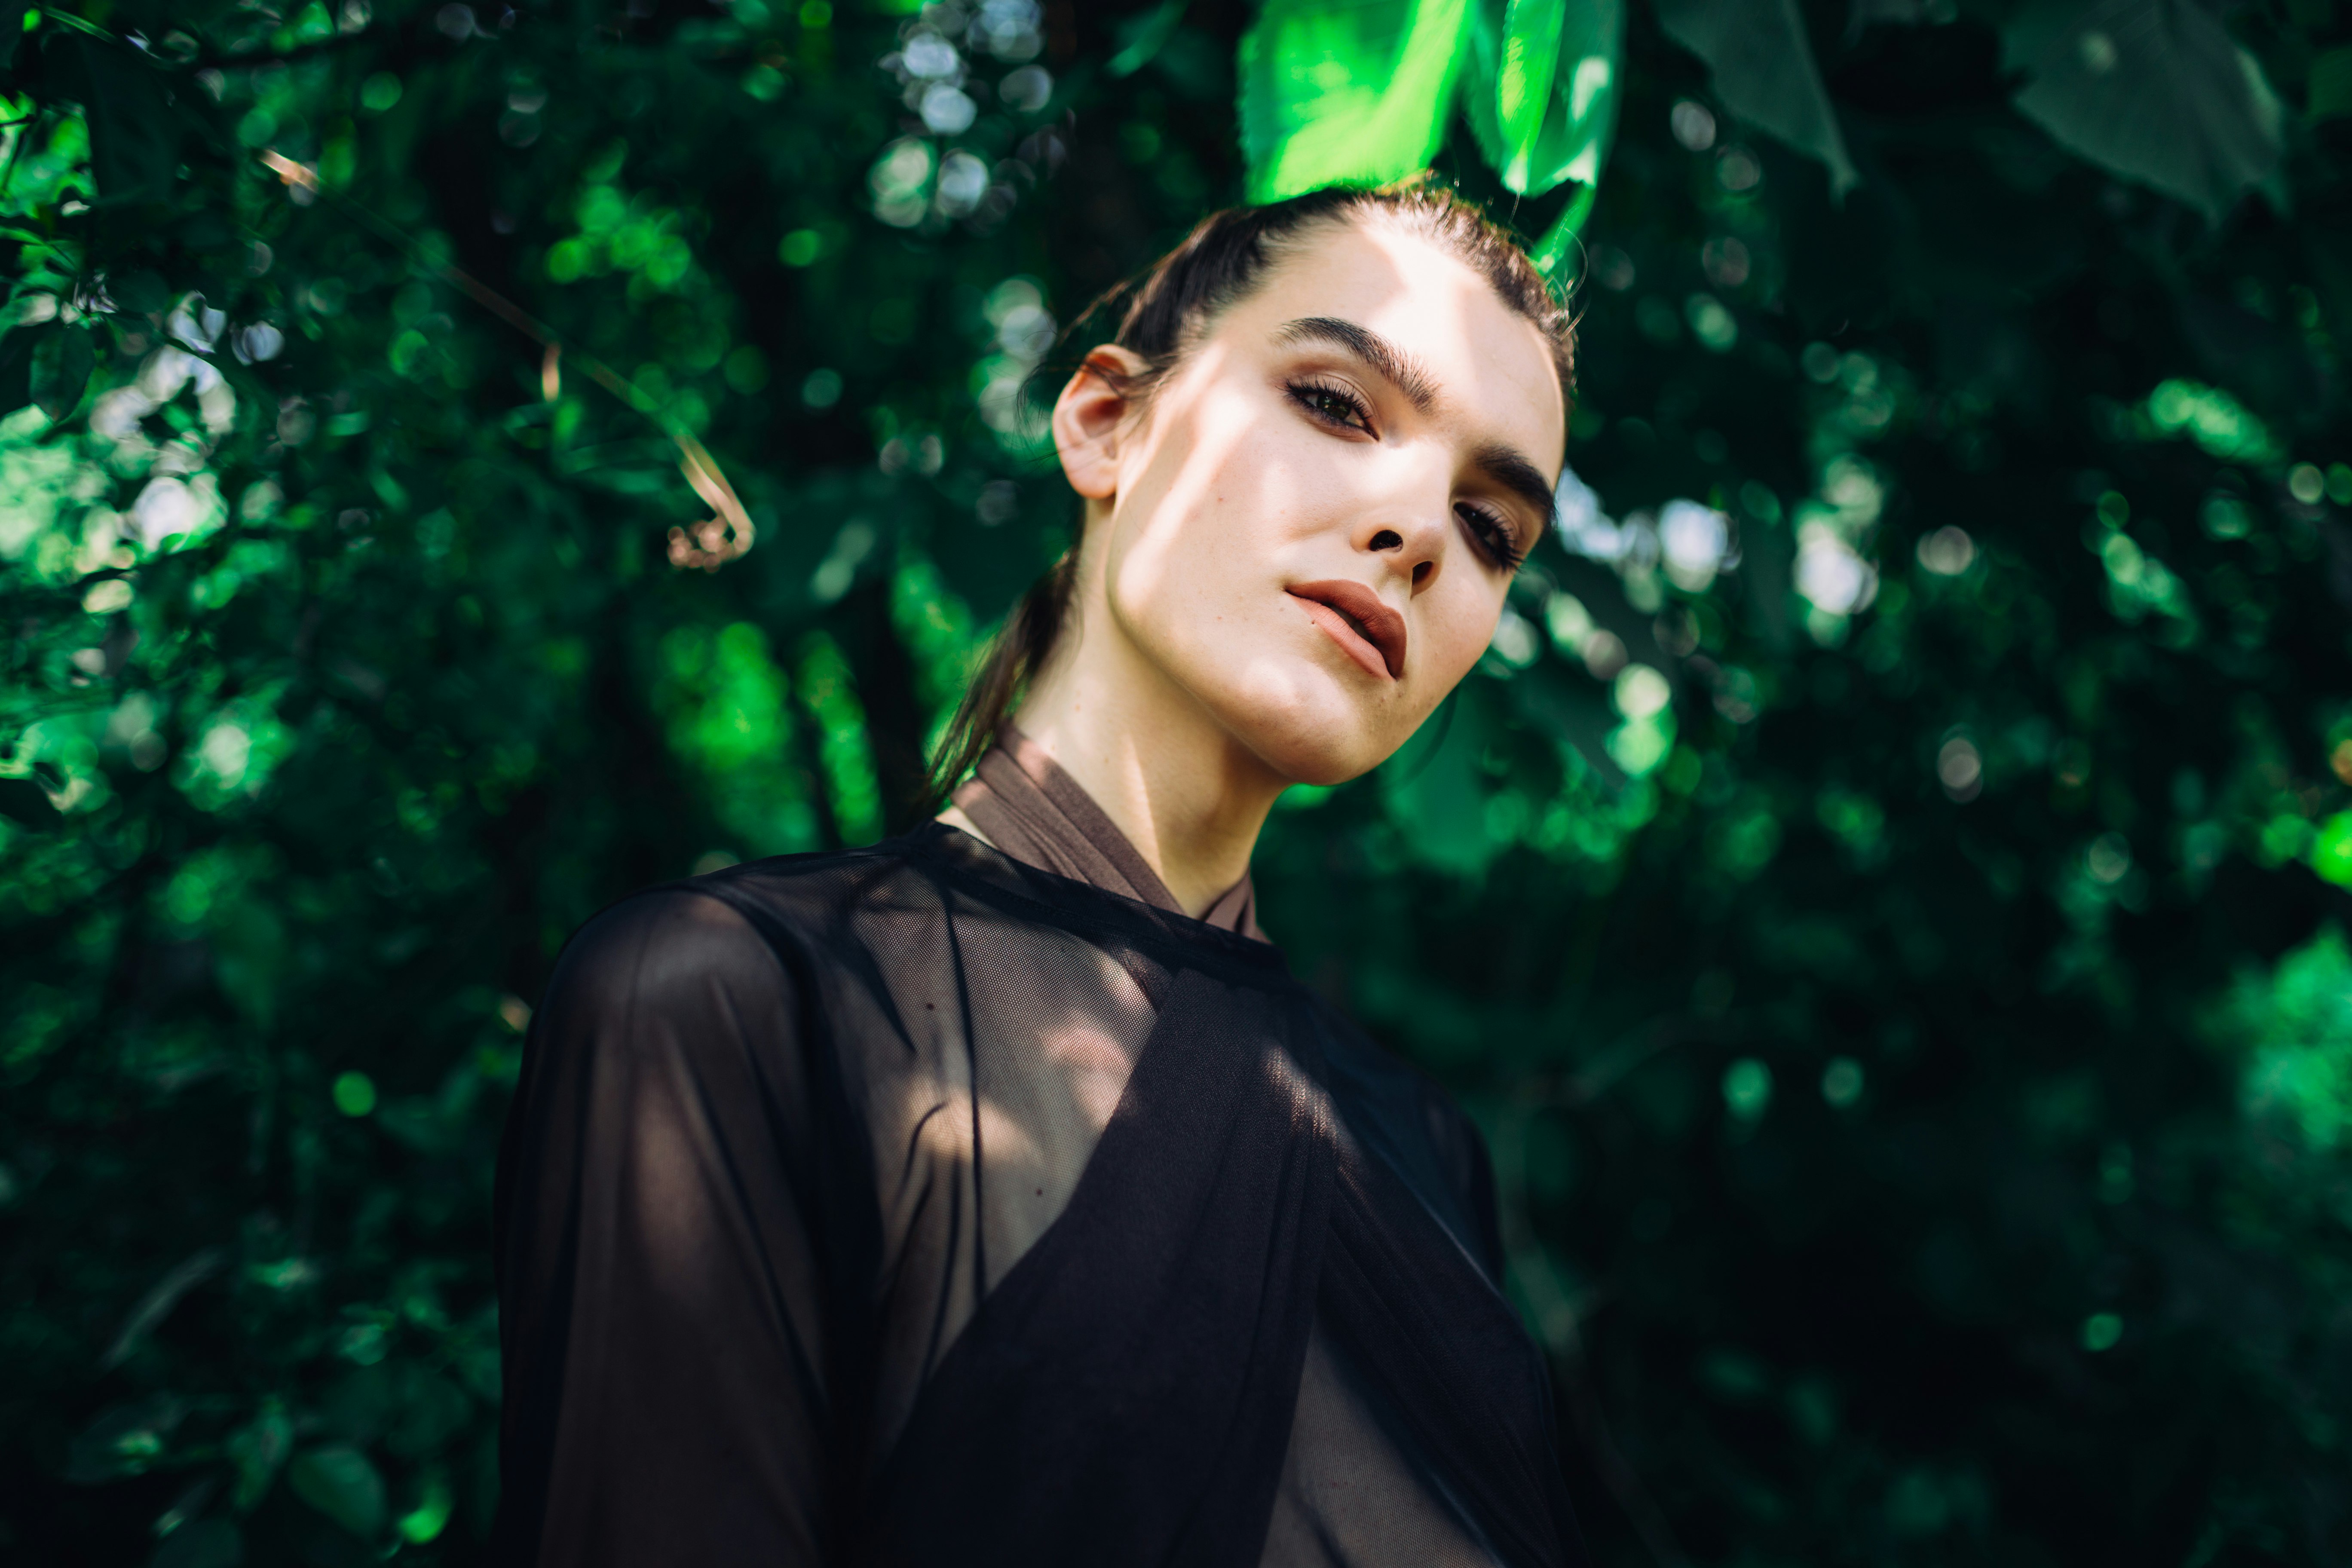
<point>1310,530</point>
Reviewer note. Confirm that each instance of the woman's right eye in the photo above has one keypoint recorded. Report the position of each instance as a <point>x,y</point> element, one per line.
<point>1331,406</point>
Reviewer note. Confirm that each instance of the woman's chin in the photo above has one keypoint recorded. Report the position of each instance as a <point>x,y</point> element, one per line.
<point>1311,729</point>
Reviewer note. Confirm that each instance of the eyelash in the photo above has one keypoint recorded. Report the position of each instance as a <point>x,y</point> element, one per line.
<point>1496,538</point>
<point>1312,395</point>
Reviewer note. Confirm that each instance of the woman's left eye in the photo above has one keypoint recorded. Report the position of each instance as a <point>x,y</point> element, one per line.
<point>1496,538</point>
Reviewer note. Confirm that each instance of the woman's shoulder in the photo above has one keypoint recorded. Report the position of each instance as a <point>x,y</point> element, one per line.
<point>764,919</point>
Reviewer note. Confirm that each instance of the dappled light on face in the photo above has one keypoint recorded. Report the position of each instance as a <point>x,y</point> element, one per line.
<point>1237,492</point>
<point>1235,500</point>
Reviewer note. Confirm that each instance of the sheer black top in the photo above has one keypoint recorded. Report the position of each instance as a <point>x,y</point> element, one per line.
<point>914,1204</point>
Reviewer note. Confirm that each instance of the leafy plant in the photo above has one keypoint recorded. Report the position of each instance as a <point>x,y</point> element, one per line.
<point>1877,891</point>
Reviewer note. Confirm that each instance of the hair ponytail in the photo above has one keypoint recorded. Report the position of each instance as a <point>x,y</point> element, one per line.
<point>1014,656</point>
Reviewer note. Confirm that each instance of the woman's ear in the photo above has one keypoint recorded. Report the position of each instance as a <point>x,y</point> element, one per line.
<point>1090,418</point>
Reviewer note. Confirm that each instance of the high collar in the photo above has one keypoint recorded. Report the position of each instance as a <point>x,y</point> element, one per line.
<point>1028,806</point>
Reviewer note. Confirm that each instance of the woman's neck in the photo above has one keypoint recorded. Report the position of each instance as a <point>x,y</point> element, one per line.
<point>1190,797</point>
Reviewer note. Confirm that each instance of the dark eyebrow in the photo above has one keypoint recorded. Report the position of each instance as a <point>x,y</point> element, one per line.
<point>1521,478</point>
<point>1397,367</point>
<point>1499,463</point>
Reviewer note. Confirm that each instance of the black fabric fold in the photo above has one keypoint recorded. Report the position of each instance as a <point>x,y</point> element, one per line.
<point>1458,1365</point>
<point>919,1206</point>
<point>1169,1304</point>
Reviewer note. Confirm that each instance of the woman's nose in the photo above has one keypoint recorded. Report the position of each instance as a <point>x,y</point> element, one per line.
<point>1414,550</point>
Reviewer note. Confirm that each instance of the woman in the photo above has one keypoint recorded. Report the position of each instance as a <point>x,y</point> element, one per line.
<point>993,1194</point>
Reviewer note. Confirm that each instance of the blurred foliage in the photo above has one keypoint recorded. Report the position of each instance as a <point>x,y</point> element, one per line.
<point>1883,893</point>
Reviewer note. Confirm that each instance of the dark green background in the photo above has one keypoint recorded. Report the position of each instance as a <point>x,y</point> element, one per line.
<point>1908,1160</point>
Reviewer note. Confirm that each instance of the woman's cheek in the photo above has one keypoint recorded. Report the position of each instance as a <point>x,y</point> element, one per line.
<point>1463,629</point>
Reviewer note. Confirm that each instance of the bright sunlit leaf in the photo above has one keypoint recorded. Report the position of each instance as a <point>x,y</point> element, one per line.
<point>1545,109</point>
<point>1523,79</point>
<point>1354,93</point>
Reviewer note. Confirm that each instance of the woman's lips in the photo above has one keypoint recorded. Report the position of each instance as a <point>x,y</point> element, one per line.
<point>1372,634</point>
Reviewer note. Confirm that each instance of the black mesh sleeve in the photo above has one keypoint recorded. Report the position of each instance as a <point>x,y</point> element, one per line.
<point>659,1279</point>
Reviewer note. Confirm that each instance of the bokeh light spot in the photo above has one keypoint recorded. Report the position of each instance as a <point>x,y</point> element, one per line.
<point>800,248</point>
<point>1693,124</point>
<point>2108,857</point>
<point>1947,552</point>
<point>355,1093</point>
<point>2331,850</point>
<point>1747,1089</point>
<point>1959,768</point>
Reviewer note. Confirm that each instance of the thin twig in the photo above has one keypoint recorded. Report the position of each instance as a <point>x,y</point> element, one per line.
<point>1617,1060</point>
<point>709,545</point>
<point>50,13</point>
<point>217,61</point>
<point>254,62</point>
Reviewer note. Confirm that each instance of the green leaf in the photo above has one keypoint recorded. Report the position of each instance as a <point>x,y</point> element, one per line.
<point>2154,91</point>
<point>1551,252</point>
<point>1530,58</point>
<point>1764,73</point>
<point>1354,93</point>
<point>2331,84</point>
<point>1573,709</point>
<point>125,1440</point>
<point>18,349</point>
<point>1435,789</point>
<point>207,1543</point>
<point>432,1409</point>
<point>2331,850</point>
<point>27,803</point>
<point>61,370</point>
<point>422,1524</point>
<point>1540,137</point>
<point>142,293</point>
<point>1143,38</point>
<point>338,1480</point>
<point>256,1449</point>
<point>134,136</point>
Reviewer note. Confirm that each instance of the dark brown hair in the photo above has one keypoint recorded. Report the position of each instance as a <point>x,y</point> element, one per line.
<point>1166,311</point>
